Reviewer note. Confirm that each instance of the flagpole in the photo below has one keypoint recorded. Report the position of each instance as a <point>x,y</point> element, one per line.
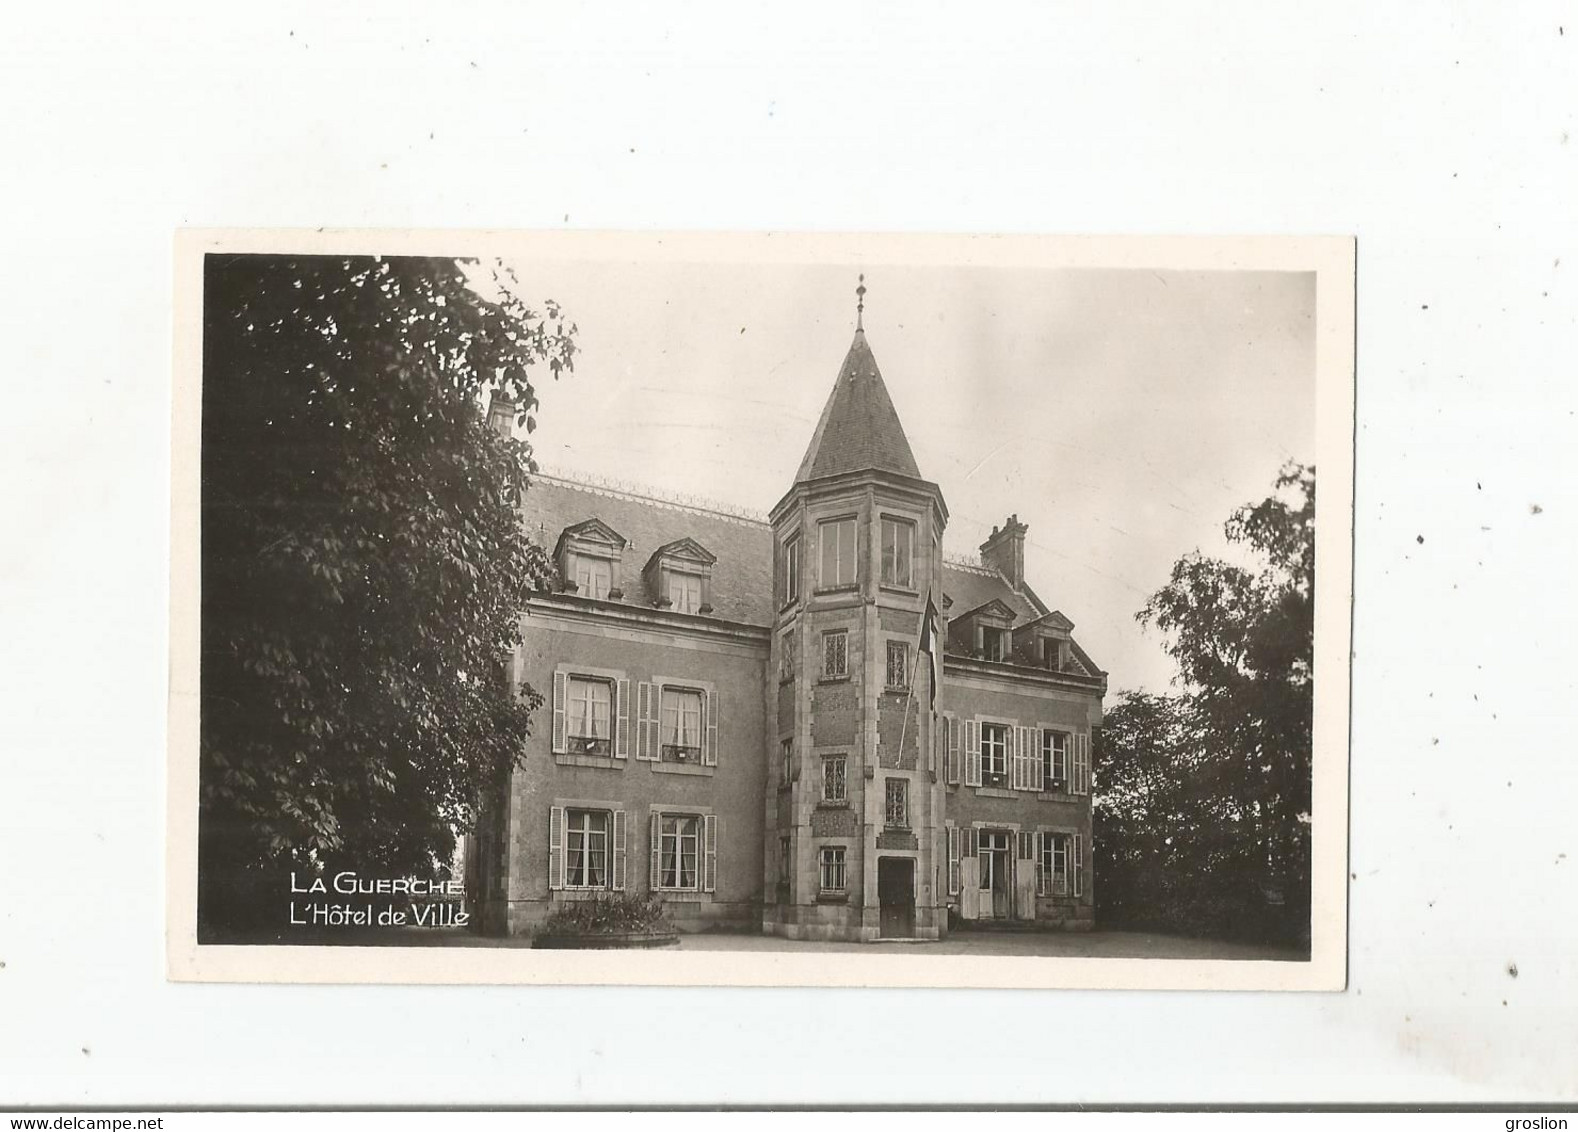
<point>931,675</point>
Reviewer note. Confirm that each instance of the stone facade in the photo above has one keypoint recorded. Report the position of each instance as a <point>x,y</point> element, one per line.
<point>739,715</point>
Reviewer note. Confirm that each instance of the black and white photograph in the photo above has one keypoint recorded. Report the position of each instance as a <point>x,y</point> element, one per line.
<point>950,607</point>
<point>876,561</point>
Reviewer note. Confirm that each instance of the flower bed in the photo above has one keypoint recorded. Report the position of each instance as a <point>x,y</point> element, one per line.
<point>612,921</point>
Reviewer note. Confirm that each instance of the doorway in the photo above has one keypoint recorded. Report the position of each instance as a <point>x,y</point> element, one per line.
<point>997,877</point>
<point>896,897</point>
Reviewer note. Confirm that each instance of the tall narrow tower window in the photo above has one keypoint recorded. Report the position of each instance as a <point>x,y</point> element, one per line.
<point>838,553</point>
<point>791,587</point>
<point>898,544</point>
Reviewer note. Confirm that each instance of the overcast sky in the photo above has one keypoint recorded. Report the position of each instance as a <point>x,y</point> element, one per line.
<point>1122,414</point>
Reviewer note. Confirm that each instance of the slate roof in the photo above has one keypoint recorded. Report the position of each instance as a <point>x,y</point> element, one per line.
<point>742,578</point>
<point>742,581</point>
<point>859,429</point>
<point>971,588</point>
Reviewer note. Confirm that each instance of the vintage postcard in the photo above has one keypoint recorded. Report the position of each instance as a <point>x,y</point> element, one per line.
<point>761,609</point>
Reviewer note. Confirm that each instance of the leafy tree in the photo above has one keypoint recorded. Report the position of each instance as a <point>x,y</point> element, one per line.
<point>1205,807</point>
<point>363,563</point>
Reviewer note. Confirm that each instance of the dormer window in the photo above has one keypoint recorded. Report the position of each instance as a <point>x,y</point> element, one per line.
<point>588,557</point>
<point>1052,653</point>
<point>679,577</point>
<point>985,631</point>
<point>593,577</point>
<point>684,592</point>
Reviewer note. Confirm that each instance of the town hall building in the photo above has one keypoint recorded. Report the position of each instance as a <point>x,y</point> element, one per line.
<point>812,726</point>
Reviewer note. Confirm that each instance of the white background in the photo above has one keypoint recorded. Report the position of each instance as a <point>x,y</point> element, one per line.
<point>1438,134</point>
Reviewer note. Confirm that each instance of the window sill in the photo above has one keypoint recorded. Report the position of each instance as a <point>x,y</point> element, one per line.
<point>833,680</point>
<point>830,897</point>
<point>997,792</point>
<point>568,893</point>
<point>894,588</point>
<point>890,828</point>
<point>683,768</point>
<point>604,762</point>
<point>826,805</point>
<point>895,689</point>
<point>1056,796</point>
<point>847,588</point>
<point>682,896</point>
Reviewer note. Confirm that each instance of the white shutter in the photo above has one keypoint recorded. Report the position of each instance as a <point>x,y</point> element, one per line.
<point>1077,865</point>
<point>951,832</point>
<point>952,724</point>
<point>709,707</point>
<point>644,747</point>
<point>556,847</point>
<point>709,876</point>
<point>972,752</point>
<point>620,838</point>
<point>1041,871</point>
<point>622,728</point>
<point>655,841</point>
<point>558,713</point>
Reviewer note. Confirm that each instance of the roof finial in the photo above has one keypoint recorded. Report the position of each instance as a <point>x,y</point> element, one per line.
<point>860,304</point>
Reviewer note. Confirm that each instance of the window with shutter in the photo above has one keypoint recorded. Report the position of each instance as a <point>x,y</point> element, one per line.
<point>1054,760</point>
<point>709,880</point>
<point>682,724</point>
<point>993,757</point>
<point>588,714</point>
<point>586,848</point>
<point>556,847</point>
<point>709,752</point>
<point>955,761</point>
<point>622,732</point>
<point>972,752</point>
<point>679,852</point>
<point>558,713</point>
<point>620,847</point>
<point>646,723</point>
<point>655,847</point>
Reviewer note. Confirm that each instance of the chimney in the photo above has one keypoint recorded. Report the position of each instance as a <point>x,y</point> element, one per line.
<point>1004,551</point>
<point>501,414</point>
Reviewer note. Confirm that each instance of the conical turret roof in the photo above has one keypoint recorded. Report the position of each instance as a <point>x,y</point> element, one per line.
<point>859,430</point>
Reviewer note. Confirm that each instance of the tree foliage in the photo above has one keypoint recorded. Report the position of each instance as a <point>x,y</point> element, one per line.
<point>1203,817</point>
<point>363,563</point>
